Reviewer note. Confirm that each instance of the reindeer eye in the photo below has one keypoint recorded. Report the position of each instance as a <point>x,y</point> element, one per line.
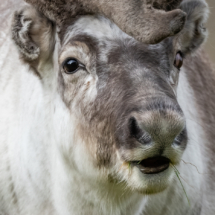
<point>178,60</point>
<point>71,65</point>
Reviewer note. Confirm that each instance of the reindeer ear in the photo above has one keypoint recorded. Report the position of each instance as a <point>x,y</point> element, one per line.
<point>194,32</point>
<point>32,32</point>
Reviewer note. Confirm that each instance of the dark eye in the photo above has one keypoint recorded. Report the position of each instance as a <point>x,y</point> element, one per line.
<point>178,60</point>
<point>71,65</point>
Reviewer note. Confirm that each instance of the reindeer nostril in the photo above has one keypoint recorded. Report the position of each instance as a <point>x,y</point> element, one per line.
<point>133,127</point>
<point>181,137</point>
<point>139,134</point>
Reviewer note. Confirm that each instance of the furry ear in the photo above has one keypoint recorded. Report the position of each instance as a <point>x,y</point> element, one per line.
<point>194,32</point>
<point>33,34</point>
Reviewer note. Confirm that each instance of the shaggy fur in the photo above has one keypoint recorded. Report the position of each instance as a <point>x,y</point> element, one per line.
<point>149,21</point>
<point>26,28</point>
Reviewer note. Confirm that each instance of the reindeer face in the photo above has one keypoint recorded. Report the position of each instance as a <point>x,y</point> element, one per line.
<point>122,94</point>
<point>125,122</point>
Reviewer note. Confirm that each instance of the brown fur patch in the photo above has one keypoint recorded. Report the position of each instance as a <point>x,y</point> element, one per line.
<point>137,18</point>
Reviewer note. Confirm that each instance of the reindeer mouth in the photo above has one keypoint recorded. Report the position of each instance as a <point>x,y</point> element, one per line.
<point>153,165</point>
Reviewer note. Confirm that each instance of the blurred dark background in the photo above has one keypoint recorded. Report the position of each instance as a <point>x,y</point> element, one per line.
<point>210,44</point>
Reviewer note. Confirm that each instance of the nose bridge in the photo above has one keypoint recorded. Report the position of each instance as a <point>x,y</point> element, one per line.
<point>151,82</point>
<point>159,85</point>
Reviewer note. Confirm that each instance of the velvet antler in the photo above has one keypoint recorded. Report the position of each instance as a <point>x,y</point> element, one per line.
<point>149,21</point>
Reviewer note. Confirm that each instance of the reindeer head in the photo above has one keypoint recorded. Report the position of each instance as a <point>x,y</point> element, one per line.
<point>116,111</point>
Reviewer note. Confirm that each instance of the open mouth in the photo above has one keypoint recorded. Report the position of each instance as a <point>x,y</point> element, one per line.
<point>153,165</point>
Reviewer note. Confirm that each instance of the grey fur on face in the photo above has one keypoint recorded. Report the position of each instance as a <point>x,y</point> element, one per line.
<point>127,79</point>
<point>132,78</point>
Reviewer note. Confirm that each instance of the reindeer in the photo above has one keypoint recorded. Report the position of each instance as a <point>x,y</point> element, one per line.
<point>93,121</point>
